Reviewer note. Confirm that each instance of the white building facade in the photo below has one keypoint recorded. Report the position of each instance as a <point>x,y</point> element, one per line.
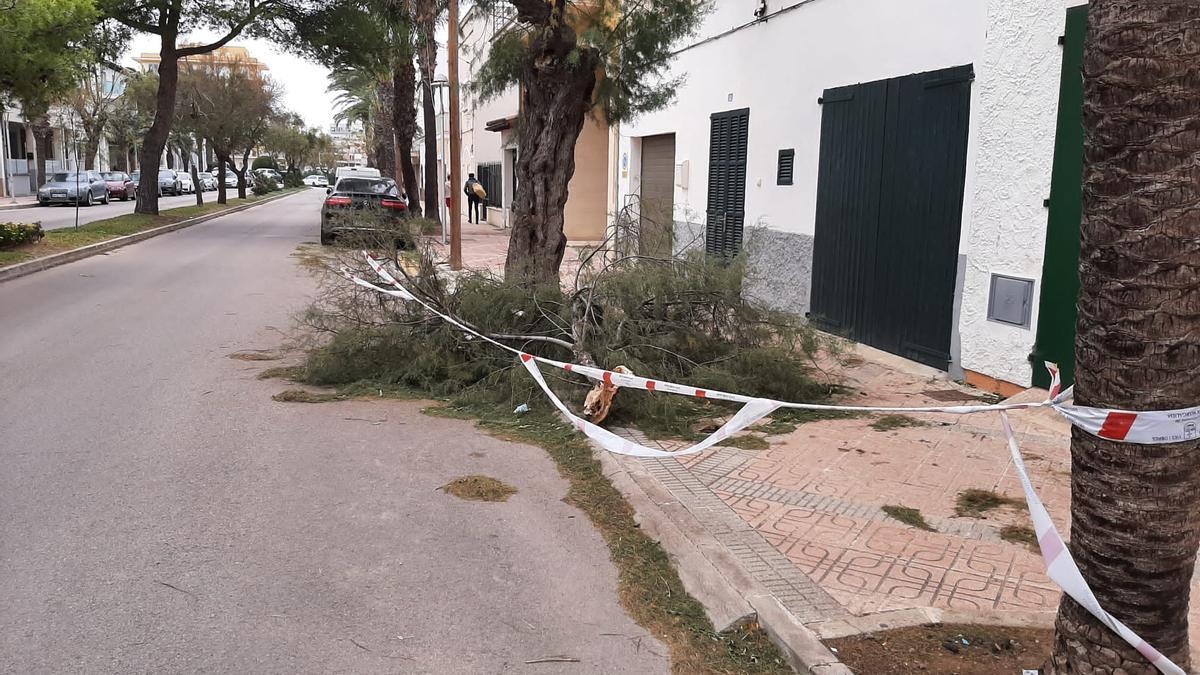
<point>885,165</point>
<point>490,147</point>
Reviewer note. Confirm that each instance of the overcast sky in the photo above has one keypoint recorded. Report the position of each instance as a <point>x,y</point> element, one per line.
<point>303,82</point>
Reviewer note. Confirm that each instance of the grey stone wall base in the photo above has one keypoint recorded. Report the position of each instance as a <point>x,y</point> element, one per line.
<point>778,264</point>
<point>38,264</point>
<point>729,593</point>
<point>10,207</point>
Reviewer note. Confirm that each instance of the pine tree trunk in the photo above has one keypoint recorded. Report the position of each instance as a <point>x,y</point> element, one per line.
<point>1135,524</point>
<point>556,95</point>
<point>199,189</point>
<point>155,139</point>
<point>405,109</point>
<point>222,171</point>
<point>383,135</point>
<point>242,174</point>
<point>43,139</point>
<point>91,148</point>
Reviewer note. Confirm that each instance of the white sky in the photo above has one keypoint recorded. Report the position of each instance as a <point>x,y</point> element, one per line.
<point>303,82</point>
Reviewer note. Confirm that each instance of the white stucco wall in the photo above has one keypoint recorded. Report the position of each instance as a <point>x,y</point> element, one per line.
<point>778,69</point>
<point>481,146</point>
<point>1018,83</point>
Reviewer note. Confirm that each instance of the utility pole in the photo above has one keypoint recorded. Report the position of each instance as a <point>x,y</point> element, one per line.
<point>456,262</point>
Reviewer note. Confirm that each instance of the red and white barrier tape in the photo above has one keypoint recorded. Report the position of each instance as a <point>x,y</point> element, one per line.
<point>1152,427</point>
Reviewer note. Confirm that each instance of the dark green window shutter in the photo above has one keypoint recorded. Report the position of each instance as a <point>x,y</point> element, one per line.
<point>726,210</point>
<point>787,161</point>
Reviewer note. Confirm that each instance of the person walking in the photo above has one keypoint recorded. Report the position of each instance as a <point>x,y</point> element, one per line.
<point>475,196</point>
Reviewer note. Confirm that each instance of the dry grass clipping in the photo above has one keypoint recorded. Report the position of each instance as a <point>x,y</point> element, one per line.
<point>255,355</point>
<point>908,516</point>
<point>974,502</point>
<point>304,396</point>
<point>479,489</point>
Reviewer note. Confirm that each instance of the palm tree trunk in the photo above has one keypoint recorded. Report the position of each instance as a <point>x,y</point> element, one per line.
<point>383,135</point>
<point>405,110</point>
<point>1135,525</point>
<point>426,19</point>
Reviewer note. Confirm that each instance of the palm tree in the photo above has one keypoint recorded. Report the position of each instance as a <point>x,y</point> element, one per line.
<point>426,14</point>
<point>1134,519</point>
<point>365,96</point>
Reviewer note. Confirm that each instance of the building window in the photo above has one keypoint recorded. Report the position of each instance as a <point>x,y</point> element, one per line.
<point>16,140</point>
<point>490,175</point>
<point>787,161</point>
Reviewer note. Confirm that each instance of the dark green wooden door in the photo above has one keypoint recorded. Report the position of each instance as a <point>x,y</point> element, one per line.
<point>1060,269</point>
<point>889,210</point>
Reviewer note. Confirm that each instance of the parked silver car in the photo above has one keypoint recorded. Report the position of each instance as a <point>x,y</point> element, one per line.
<point>207,180</point>
<point>168,183</point>
<point>185,182</point>
<point>74,187</point>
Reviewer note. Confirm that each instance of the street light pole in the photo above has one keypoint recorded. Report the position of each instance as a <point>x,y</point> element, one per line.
<point>456,262</point>
<point>75,142</point>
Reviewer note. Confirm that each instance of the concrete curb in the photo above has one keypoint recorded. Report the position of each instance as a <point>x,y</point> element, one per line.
<point>38,264</point>
<point>10,207</point>
<point>728,592</point>
<point>921,616</point>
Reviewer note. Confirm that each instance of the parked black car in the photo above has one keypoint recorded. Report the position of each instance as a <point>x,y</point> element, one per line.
<point>365,205</point>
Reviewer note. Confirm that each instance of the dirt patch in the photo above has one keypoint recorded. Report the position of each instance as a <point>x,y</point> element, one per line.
<point>304,396</point>
<point>255,355</point>
<point>974,502</point>
<point>479,489</point>
<point>957,649</point>
<point>908,516</point>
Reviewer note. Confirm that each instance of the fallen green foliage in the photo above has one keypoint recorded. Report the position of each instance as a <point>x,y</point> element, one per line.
<point>293,373</point>
<point>908,516</point>
<point>684,321</point>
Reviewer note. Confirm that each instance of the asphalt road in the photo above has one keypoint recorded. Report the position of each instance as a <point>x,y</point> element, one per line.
<point>160,513</point>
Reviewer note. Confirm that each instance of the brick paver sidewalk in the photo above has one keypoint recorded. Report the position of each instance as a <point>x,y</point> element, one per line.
<point>805,518</point>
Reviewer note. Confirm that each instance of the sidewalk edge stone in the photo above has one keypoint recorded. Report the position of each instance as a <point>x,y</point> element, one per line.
<point>39,264</point>
<point>728,592</point>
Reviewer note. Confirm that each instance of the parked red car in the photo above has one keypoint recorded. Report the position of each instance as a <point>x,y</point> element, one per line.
<point>119,185</point>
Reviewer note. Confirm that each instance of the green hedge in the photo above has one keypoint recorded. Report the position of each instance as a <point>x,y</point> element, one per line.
<point>15,234</point>
<point>263,185</point>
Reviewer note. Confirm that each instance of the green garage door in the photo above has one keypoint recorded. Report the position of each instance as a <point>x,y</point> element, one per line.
<point>889,210</point>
